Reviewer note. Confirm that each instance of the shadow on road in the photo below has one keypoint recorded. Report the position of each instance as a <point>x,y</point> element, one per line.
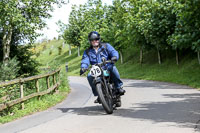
<point>185,113</point>
<point>89,110</point>
<point>157,85</point>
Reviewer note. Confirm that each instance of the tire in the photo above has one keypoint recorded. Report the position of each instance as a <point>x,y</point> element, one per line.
<point>105,99</point>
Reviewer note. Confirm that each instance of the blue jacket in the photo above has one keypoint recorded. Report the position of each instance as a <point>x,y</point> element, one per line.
<point>90,57</point>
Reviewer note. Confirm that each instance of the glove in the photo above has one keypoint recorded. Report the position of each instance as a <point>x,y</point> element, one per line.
<point>82,71</point>
<point>114,59</point>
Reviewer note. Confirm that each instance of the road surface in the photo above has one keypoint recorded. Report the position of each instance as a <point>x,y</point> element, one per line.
<point>147,107</point>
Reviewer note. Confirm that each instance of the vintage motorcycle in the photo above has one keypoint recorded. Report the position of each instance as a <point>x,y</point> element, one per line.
<point>108,95</point>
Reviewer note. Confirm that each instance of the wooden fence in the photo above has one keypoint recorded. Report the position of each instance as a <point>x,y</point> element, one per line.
<point>21,82</point>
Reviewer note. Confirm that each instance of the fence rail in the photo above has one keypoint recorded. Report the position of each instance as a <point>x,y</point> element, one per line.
<point>38,93</point>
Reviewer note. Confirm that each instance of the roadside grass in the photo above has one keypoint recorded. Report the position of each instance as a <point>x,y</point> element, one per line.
<point>33,105</point>
<point>164,72</point>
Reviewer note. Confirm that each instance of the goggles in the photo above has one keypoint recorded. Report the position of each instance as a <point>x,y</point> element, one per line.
<point>96,39</point>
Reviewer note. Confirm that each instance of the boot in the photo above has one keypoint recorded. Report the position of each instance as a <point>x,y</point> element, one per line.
<point>121,91</point>
<point>97,100</point>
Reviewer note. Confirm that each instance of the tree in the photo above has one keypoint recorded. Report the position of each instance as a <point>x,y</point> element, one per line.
<point>112,26</point>
<point>25,17</point>
<point>156,23</point>
<point>82,20</point>
<point>73,29</point>
<point>134,34</point>
<point>95,19</point>
<point>67,37</point>
<point>187,31</point>
<point>61,26</point>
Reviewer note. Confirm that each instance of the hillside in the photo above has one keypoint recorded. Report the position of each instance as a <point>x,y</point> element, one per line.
<point>49,56</point>
<point>186,73</point>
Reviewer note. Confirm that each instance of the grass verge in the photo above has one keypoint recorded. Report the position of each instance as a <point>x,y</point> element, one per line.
<point>34,105</point>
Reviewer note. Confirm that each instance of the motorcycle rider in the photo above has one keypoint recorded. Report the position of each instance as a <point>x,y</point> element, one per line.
<point>94,54</point>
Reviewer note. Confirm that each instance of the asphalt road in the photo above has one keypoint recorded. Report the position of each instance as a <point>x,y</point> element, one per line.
<point>147,107</point>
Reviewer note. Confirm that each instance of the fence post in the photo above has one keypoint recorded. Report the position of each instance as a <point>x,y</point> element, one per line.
<point>22,93</point>
<point>37,87</point>
<point>54,79</point>
<point>48,85</point>
<point>59,75</point>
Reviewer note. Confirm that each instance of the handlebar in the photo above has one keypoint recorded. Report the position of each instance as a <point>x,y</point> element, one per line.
<point>104,62</point>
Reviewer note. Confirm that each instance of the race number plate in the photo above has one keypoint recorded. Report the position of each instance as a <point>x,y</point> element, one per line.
<point>95,71</point>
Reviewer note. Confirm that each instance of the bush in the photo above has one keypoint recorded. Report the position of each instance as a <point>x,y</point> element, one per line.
<point>28,66</point>
<point>10,71</point>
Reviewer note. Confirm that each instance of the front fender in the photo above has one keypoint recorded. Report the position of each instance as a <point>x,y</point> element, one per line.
<point>97,80</point>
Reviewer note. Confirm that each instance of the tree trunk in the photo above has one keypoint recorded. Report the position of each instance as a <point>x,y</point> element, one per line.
<point>141,55</point>
<point>6,46</point>
<point>121,57</point>
<point>198,54</point>
<point>78,51</point>
<point>70,51</point>
<point>177,58</point>
<point>159,57</point>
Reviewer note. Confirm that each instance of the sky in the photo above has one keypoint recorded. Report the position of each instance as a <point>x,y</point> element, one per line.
<point>61,14</point>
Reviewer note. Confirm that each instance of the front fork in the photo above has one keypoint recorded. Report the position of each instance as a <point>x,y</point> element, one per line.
<point>102,80</point>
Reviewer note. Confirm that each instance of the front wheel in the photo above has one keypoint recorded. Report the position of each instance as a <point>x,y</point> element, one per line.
<point>105,98</point>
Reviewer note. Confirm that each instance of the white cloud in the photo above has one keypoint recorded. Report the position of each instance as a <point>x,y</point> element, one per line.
<point>61,14</point>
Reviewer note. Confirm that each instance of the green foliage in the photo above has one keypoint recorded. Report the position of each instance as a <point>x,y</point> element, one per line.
<point>20,20</point>
<point>159,24</point>
<point>186,33</point>
<point>28,65</point>
<point>73,30</point>
<point>10,71</point>
<point>115,30</point>
<point>84,19</point>
<point>62,27</point>
<point>25,16</point>
<point>156,22</point>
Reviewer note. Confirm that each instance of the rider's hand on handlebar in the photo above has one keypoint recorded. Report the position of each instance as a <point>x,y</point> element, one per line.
<point>114,59</point>
<point>83,70</point>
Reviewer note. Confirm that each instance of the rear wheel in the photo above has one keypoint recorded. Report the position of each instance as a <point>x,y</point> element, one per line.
<point>105,98</point>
